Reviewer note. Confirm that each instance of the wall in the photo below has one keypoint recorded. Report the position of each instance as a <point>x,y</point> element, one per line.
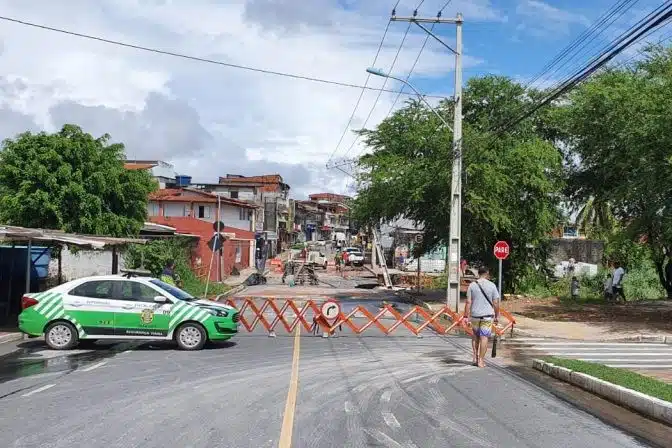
<point>210,211</point>
<point>231,217</point>
<point>244,193</point>
<point>84,263</point>
<point>586,251</point>
<point>173,209</point>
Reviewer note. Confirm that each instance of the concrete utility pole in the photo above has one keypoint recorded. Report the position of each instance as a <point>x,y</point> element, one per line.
<point>455,229</point>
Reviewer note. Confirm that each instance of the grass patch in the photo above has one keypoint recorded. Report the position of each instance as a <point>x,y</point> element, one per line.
<point>621,377</point>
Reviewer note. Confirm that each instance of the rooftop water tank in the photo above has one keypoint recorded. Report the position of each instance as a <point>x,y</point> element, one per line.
<point>182,180</point>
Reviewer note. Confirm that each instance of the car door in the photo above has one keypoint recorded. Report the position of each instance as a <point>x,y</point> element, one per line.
<point>92,305</point>
<point>139,315</point>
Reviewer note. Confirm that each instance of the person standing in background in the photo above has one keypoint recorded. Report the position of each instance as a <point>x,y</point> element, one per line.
<point>617,282</point>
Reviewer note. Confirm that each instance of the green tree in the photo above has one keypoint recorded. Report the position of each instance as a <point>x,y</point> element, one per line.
<point>71,181</point>
<point>512,181</point>
<point>595,218</point>
<point>621,141</point>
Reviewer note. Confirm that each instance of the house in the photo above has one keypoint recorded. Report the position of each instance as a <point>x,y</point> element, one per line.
<point>335,215</point>
<point>198,213</point>
<point>271,194</point>
<point>162,172</point>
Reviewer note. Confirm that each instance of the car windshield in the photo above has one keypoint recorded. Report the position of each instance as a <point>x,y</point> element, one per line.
<point>173,290</point>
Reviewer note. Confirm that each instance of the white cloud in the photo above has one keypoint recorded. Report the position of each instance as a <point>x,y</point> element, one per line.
<point>209,118</point>
<point>544,20</point>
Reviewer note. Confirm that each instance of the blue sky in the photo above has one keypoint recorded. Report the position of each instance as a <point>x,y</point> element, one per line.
<point>210,120</point>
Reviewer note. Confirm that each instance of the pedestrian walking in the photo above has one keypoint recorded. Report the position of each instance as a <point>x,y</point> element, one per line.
<point>617,282</point>
<point>608,288</point>
<point>481,311</point>
<point>575,288</point>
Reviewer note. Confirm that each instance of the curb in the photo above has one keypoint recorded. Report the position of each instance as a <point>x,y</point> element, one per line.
<point>644,404</point>
<point>11,337</point>
<point>230,292</point>
<point>661,339</point>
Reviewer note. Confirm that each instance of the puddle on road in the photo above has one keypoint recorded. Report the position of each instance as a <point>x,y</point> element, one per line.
<point>34,358</point>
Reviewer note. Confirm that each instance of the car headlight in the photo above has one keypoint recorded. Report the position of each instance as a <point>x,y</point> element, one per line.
<point>218,313</point>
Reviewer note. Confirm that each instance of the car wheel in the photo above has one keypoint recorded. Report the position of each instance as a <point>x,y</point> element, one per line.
<point>191,336</point>
<point>61,336</point>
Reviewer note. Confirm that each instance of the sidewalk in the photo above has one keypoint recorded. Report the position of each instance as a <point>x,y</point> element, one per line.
<point>595,331</point>
<point>238,280</point>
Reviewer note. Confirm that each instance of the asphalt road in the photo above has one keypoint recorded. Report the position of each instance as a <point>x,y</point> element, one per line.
<point>347,391</point>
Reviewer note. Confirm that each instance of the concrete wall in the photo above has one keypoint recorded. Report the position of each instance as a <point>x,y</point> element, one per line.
<point>173,209</point>
<point>231,217</point>
<point>586,251</point>
<point>83,264</point>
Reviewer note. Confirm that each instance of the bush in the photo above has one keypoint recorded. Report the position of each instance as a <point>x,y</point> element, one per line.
<point>642,283</point>
<point>154,256</point>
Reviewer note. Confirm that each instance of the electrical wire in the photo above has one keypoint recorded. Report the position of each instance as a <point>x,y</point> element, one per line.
<point>622,6</point>
<point>586,48</point>
<point>652,21</point>
<point>196,58</point>
<point>366,84</point>
<point>417,58</point>
<point>380,92</point>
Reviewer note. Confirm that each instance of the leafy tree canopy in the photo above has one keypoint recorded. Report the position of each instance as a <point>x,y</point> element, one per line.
<point>512,181</point>
<point>619,136</point>
<point>71,181</point>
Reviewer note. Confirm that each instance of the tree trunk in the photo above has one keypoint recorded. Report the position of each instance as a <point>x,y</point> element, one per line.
<point>665,275</point>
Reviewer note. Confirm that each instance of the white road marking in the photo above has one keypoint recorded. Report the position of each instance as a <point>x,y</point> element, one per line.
<point>386,396</point>
<point>391,420</point>
<point>631,355</point>
<point>383,438</point>
<point>95,366</point>
<point>126,351</point>
<point>641,366</point>
<point>348,407</point>
<point>360,388</point>
<point>39,389</point>
<point>599,344</point>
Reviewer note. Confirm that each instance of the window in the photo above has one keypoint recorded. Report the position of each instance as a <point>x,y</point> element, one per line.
<point>153,209</point>
<point>244,214</point>
<point>570,232</point>
<point>233,195</point>
<point>97,289</point>
<point>173,290</point>
<point>136,292</point>
<point>204,211</point>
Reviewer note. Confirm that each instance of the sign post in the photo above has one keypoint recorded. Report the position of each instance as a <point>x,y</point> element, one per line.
<point>501,252</point>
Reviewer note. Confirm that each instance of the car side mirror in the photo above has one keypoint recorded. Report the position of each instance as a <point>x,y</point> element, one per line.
<point>160,299</point>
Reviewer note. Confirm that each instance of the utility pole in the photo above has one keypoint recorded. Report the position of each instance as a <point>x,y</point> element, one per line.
<point>455,229</point>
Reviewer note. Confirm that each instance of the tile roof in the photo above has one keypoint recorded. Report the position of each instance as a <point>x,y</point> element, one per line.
<point>266,182</point>
<point>178,195</point>
<point>139,166</point>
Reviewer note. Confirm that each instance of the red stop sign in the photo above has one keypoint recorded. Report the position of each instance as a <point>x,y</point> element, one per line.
<point>501,250</point>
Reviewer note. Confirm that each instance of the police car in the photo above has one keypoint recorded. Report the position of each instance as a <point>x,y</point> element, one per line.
<point>124,307</point>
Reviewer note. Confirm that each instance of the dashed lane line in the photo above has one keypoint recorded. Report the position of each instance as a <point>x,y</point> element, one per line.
<point>38,390</point>
<point>95,366</point>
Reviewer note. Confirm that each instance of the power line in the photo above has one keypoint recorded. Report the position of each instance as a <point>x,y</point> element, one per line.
<point>394,61</point>
<point>576,43</point>
<point>198,59</point>
<point>366,84</point>
<point>608,21</point>
<point>626,39</point>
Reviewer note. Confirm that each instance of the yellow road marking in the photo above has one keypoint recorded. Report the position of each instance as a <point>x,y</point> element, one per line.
<point>290,405</point>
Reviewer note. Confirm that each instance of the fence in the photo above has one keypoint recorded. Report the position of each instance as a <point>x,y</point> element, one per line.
<point>287,314</point>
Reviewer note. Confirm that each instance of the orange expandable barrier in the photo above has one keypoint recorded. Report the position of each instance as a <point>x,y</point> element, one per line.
<point>310,315</point>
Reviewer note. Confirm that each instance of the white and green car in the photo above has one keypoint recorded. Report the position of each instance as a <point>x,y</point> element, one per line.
<point>123,307</point>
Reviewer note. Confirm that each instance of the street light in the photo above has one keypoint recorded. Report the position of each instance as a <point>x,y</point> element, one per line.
<point>379,72</point>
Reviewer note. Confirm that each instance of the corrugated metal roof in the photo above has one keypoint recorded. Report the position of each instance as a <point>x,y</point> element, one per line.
<point>22,234</point>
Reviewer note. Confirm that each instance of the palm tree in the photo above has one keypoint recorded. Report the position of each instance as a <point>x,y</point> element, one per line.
<point>595,218</point>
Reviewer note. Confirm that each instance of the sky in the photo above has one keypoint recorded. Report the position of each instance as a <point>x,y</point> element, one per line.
<point>210,120</point>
